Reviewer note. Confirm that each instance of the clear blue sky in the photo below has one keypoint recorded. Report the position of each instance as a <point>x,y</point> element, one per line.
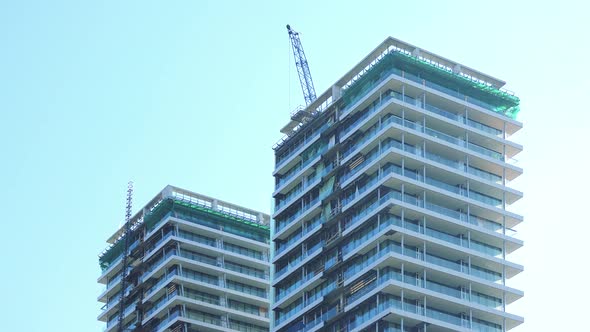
<point>193,93</point>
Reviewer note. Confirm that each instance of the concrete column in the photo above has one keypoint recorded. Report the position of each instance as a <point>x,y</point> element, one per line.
<point>403,217</point>
<point>403,165</point>
<point>336,92</point>
<point>402,271</point>
<point>402,298</point>
<point>466,114</point>
<point>402,244</point>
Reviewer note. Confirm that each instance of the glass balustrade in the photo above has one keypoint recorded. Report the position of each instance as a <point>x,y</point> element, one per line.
<point>291,311</point>
<point>388,220</point>
<point>247,289</point>
<point>372,133</point>
<point>426,106</point>
<point>294,261</point>
<point>387,302</point>
<point>283,158</point>
<point>209,260</point>
<point>311,226</point>
<point>289,198</point>
<point>245,327</point>
<point>463,217</point>
<point>282,224</point>
<point>394,144</point>
<point>392,168</point>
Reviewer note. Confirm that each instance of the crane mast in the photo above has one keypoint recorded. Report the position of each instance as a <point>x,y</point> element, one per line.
<point>302,67</point>
<point>124,281</point>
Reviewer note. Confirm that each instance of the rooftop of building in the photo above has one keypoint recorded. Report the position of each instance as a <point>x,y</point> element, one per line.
<point>421,62</point>
<point>148,214</point>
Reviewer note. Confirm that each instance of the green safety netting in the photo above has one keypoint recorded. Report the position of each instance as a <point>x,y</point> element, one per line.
<point>327,188</point>
<point>327,210</point>
<point>170,205</point>
<point>474,91</point>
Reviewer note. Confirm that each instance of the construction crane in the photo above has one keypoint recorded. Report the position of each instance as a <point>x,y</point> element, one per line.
<point>302,67</point>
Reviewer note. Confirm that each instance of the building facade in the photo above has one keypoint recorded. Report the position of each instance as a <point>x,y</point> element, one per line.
<point>194,263</point>
<point>392,201</point>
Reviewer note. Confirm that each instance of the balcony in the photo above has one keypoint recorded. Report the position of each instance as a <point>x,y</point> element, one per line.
<point>294,194</point>
<point>392,303</point>
<point>226,248</point>
<point>298,261</point>
<point>287,224</point>
<point>376,205</point>
<point>310,228</point>
<point>390,169</point>
<point>213,264</point>
<point>283,293</point>
<point>392,145</point>
<point>393,277</point>
<point>392,247</point>
<point>393,121</point>
<point>286,159</point>
<point>392,220</point>
<point>390,95</point>
<point>205,320</point>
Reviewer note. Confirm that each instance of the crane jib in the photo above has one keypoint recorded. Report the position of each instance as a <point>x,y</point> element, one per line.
<point>302,67</point>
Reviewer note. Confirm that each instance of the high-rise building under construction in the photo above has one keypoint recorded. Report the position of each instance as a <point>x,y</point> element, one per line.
<point>193,263</point>
<point>392,201</point>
